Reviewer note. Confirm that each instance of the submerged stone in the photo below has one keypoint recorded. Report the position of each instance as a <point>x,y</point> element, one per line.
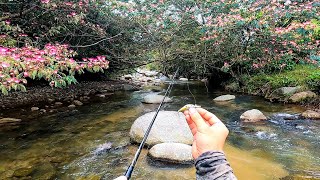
<point>172,152</point>
<point>155,99</point>
<point>227,97</point>
<point>169,126</point>
<point>22,172</point>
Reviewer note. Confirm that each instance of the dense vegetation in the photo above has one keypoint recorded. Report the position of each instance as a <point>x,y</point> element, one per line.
<point>246,40</point>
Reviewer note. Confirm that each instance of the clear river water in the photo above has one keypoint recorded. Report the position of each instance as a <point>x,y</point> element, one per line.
<point>73,145</point>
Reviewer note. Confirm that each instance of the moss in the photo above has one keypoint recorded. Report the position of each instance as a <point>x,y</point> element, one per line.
<point>307,76</point>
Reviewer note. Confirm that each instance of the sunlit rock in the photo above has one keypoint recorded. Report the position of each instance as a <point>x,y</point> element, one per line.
<point>253,115</point>
<point>9,121</point>
<point>227,97</point>
<point>169,126</point>
<point>309,114</point>
<point>301,96</point>
<point>155,99</point>
<point>183,79</point>
<point>172,152</point>
<point>77,103</point>
<point>34,109</point>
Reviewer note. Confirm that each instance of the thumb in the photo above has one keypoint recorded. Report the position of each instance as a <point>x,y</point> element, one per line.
<point>196,118</point>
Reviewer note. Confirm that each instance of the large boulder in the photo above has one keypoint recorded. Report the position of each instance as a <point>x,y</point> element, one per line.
<point>301,96</point>
<point>283,93</point>
<point>253,115</point>
<point>227,97</point>
<point>309,114</point>
<point>155,99</point>
<point>169,126</point>
<point>172,152</point>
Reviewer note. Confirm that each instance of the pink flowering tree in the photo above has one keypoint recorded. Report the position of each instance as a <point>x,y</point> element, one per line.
<point>235,37</point>
<point>53,63</point>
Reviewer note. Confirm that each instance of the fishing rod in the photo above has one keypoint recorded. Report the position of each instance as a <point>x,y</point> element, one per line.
<point>136,156</point>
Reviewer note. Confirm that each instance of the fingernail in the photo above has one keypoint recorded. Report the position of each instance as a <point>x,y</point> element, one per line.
<point>192,110</point>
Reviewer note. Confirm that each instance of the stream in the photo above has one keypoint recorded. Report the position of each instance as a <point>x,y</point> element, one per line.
<point>92,142</point>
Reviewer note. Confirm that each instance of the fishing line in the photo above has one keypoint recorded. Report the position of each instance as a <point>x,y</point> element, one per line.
<point>194,98</point>
<point>136,156</point>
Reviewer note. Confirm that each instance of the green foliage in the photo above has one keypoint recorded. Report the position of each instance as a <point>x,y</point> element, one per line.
<point>307,76</point>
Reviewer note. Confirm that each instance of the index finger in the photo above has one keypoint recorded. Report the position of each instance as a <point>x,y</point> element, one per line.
<point>208,116</point>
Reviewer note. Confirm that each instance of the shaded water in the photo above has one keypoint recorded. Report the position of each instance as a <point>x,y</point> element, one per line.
<point>76,145</point>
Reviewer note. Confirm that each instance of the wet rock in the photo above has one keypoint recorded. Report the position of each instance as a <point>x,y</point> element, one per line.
<point>183,79</point>
<point>172,152</point>
<point>43,110</point>
<point>101,95</point>
<point>301,96</point>
<point>164,78</point>
<point>77,103</point>
<point>285,116</point>
<point>58,103</point>
<point>9,121</point>
<point>50,100</point>
<point>44,171</point>
<point>169,126</point>
<point>266,135</point>
<point>227,97</point>
<point>102,148</point>
<point>151,73</point>
<point>22,172</point>
<point>72,106</point>
<point>155,99</point>
<point>34,109</point>
<point>253,115</point>
<point>309,114</point>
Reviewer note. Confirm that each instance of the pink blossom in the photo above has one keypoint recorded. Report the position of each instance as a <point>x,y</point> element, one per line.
<point>45,1</point>
<point>5,65</point>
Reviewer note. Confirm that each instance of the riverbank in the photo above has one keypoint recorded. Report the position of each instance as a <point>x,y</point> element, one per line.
<point>45,95</point>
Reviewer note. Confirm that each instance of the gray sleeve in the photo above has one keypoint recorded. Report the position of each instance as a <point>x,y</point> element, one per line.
<point>213,165</point>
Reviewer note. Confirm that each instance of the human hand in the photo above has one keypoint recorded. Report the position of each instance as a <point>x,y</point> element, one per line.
<point>209,133</point>
<point>121,178</point>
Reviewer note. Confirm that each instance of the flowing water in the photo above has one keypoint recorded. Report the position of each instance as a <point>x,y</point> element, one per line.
<point>92,142</point>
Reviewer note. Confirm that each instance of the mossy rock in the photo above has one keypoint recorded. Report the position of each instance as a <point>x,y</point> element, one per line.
<point>90,177</point>
<point>22,172</point>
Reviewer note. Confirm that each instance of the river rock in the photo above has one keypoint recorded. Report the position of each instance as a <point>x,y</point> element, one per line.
<point>77,103</point>
<point>253,115</point>
<point>9,121</point>
<point>183,79</point>
<point>227,97</point>
<point>309,114</point>
<point>172,152</point>
<point>169,126</point>
<point>155,99</point>
<point>58,103</point>
<point>22,172</point>
<point>283,92</point>
<point>301,96</point>
<point>71,106</point>
<point>34,109</point>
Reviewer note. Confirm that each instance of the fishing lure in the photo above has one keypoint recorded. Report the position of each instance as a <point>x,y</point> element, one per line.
<point>188,106</point>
